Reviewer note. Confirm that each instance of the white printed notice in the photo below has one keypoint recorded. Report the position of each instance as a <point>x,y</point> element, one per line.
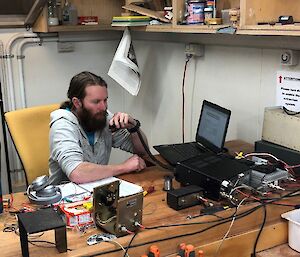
<point>124,68</point>
<point>288,90</point>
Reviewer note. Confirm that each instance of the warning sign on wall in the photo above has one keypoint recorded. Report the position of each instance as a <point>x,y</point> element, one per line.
<point>288,90</point>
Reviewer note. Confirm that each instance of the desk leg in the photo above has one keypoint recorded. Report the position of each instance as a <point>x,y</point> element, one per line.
<point>61,239</point>
<point>23,240</point>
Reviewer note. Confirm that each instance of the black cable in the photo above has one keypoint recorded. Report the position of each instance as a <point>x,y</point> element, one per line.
<point>10,228</point>
<point>282,204</point>
<point>260,230</point>
<point>168,167</point>
<point>241,215</point>
<point>128,246</point>
<point>188,57</point>
<point>33,242</point>
<point>223,221</point>
<point>272,200</point>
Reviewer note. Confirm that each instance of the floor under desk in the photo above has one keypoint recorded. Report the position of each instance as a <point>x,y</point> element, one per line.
<point>279,251</point>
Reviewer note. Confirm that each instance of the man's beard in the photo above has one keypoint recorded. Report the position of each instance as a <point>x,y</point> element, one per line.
<point>90,122</point>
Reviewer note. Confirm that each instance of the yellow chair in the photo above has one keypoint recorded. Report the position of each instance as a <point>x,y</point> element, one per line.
<point>29,129</point>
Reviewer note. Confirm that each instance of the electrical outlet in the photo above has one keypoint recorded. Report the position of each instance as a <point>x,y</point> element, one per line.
<point>194,49</point>
<point>289,57</point>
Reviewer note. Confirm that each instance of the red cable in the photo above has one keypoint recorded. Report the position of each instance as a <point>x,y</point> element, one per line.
<point>183,100</point>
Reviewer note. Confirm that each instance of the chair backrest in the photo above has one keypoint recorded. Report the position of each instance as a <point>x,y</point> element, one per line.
<point>29,129</point>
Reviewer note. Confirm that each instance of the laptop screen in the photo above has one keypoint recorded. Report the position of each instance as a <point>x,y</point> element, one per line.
<point>212,127</point>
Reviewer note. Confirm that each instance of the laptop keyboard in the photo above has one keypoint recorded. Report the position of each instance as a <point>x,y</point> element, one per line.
<point>187,150</point>
<point>179,152</point>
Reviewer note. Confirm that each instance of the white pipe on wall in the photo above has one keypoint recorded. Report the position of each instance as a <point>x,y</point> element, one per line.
<point>20,58</point>
<point>5,99</point>
<point>9,71</point>
<point>3,73</point>
<point>4,178</point>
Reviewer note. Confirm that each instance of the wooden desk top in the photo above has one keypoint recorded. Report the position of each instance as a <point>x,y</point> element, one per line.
<point>239,242</point>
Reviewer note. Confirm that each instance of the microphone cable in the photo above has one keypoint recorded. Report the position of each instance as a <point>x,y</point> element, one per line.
<point>152,157</point>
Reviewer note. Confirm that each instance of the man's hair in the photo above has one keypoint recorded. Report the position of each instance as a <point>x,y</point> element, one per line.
<point>78,84</point>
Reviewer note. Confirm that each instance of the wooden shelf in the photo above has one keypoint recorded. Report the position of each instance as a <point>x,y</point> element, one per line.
<point>76,28</point>
<point>260,30</point>
<point>155,28</point>
<point>270,30</point>
<point>202,29</point>
<point>252,12</point>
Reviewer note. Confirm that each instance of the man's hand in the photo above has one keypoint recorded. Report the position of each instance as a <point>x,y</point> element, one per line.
<point>134,163</point>
<point>122,120</point>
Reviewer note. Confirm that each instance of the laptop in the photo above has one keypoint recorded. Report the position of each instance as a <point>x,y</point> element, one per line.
<point>210,136</point>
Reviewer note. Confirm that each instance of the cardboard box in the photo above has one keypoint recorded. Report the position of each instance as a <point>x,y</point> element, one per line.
<point>281,128</point>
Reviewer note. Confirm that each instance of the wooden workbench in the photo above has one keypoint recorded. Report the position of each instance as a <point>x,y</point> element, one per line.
<point>239,242</point>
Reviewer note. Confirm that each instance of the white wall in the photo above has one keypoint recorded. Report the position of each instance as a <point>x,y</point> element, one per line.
<point>242,79</point>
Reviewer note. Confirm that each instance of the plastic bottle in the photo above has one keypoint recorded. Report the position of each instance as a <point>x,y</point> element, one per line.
<point>59,11</point>
<point>69,13</point>
<point>208,13</point>
<point>52,13</point>
<point>66,13</point>
<point>73,15</point>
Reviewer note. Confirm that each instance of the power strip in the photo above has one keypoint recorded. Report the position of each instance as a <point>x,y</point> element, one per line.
<point>194,50</point>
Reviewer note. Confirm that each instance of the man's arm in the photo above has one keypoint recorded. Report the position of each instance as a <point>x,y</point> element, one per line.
<point>123,120</point>
<point>88,172</point>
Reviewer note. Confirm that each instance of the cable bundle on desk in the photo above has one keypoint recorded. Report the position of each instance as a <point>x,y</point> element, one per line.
<point>218,222</point>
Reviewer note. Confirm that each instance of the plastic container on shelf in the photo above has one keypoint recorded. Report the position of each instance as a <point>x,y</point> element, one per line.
<point>195,10</point>
<point>225,16</point>
<point>69,13</point>
<point>208,13</point>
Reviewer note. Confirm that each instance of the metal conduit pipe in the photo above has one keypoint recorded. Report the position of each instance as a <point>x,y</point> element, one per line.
<point>20,59</point>
<point>2,110</point>
<point>11,104</point>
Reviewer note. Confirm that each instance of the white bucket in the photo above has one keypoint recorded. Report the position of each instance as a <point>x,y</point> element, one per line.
<point>294,228</point>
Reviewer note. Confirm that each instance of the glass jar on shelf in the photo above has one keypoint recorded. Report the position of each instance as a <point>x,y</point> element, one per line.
<point>52,13</point>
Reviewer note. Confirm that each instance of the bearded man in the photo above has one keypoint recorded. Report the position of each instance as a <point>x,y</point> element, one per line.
<point>81,137</point>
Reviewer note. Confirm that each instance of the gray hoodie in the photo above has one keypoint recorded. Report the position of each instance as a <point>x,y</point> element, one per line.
<point>69,145</point>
